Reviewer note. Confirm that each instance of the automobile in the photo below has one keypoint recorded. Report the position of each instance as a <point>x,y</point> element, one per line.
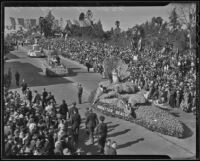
<point>36,52</point>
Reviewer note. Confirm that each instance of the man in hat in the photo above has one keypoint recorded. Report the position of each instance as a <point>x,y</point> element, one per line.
<point>29,96</point>
<point>63,109</point>
<point>80,92</point>
<point>50,98</point>
<point>91,122</point>
<point>24,86</point>
<point>37,97</point>
<point>101,132</point>
<point>76,121</point>
<point>9,77</point>
<point>44,96</point>
<point>17,78</point>
<point>72,109</point>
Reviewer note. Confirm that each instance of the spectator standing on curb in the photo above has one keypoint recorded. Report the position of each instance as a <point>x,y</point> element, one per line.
<point>17,78</point>
<point>91,123</point>
<point>64,109</point>
<point>9,77</point>
<point>24,86</point>
<point>72,109</point>
<point>80,92</point>
<point>76,121</point>
<point>44,96</point>
<point>112,150</point>
<point>107,147</point>
<point>101,132</point>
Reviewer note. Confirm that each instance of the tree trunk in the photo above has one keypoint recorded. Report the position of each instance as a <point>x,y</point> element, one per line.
<point>190,42</point>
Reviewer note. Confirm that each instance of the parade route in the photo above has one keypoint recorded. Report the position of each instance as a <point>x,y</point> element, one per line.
<point>132,139</point>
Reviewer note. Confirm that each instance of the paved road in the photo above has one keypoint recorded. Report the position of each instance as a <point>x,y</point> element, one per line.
<point>131,138</point>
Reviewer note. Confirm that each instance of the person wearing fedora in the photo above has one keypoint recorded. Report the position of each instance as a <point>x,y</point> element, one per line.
<point>76,121</point>
<point>101,132</point>
<point>91,123</point>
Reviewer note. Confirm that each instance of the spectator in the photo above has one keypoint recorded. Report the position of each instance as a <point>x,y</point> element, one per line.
<point>91,123</point>
<point>72,109</point>
<point>44,96</point>
<point>24,86</point>
<point>17,78</point>
<point>112,150</point>
<point>107,147</point>
<point>101,132</point>
<point>80,92</point>
<point>76,121</point>
<point>64,110</point>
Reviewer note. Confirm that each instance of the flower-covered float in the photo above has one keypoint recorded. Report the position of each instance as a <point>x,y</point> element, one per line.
<point>122,99</point>
<point>53,67</point>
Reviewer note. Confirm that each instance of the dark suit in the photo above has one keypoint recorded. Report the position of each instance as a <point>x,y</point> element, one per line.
<point>91,122</point>
<point>24,87</point>
<point>29,96</point>
<point>44,96</point>
<point>80,92</point>
<point>102,134</point>
<point>76,121</point>
<point>17,78</point>
<point>71,111</point>
<point>37,98</point>
<point>63,110</point>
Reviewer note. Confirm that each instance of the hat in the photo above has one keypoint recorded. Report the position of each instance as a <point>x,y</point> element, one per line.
<point>102,118</point>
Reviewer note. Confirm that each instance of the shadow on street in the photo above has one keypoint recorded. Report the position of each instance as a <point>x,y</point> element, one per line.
<point>129,143</point>
<point>32,75</point>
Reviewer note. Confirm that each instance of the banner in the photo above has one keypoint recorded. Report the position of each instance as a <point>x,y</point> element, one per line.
<point>21,22</point>
<point>13,23</point>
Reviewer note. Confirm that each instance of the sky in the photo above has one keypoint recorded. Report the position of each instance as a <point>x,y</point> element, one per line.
<point>128,16</point>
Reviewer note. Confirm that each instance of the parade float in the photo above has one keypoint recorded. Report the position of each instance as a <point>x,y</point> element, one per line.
<point>120,98</point>
<point>36,52</point>
<point>53,67</point>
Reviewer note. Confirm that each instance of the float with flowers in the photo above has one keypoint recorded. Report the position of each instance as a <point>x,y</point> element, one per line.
<point>122,99</point>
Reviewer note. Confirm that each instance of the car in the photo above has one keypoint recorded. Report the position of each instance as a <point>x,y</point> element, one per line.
<point>36,52</point>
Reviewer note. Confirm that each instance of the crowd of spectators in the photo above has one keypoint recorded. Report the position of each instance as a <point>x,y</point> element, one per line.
<point>34,124</point>
<point>170,77</point>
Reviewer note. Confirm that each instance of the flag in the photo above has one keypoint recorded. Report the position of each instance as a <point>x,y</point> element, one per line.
<point>21,22</point>
<point>69,23</point>
<point>27,23</point>
<point>33,22</point>
<point>13,23</point>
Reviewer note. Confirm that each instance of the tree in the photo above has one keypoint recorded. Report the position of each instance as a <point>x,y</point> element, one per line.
<point>187,17</point>
<point>46,24</point>
<point>81,16</point>
<point>173,20</point>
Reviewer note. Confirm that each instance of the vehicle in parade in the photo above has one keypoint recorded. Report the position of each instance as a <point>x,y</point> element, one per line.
<point>36,52</point>
<point>52,66</point>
